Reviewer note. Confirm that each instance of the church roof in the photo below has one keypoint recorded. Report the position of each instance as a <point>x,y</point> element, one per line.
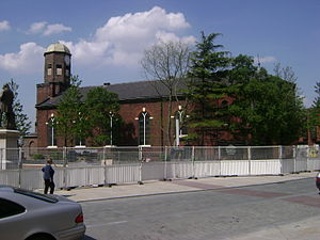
<point>144,90</point>
<point>128,92</point>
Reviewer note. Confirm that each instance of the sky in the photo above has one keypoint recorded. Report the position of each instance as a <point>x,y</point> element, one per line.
<point>107,38</point>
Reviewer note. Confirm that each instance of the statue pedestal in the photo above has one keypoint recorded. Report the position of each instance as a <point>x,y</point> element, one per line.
<point>9,151</point>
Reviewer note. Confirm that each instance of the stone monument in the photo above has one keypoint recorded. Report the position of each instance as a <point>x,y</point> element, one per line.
<point>9,136</point>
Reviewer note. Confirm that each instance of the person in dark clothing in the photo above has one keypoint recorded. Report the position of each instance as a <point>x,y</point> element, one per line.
<point>48,173</point>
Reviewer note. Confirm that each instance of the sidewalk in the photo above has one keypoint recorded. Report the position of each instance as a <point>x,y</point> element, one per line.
<point>180,185</point>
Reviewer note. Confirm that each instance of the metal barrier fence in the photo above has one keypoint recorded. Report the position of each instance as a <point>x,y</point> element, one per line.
<point>76,167</point>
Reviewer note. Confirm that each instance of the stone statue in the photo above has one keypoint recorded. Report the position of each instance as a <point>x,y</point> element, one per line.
<point>6,100</point>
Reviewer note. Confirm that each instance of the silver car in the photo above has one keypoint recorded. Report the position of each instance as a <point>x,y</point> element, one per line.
<point>27,215</point>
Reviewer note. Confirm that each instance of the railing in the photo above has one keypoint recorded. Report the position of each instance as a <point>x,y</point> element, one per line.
<point>76,167</point>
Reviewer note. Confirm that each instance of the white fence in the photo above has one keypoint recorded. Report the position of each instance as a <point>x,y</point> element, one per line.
<point>106,166</point>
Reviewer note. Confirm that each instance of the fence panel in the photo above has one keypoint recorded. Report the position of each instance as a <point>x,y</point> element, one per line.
<point>301,165</point>
<point>106,165</point>
<point>183,169</point>
<point>265,152</point>
<point>313,164</point>
<point>123,173</point>
<point>207,168</point>
<point>75,176</point>
<point>235,168</point>
<point>9,177</point>
<point>301,159</point>
<point>288,152</point>
<point>153,171</point>
<point>233,153</point>
<point>288,166</point>
<point>265,167</point>
<point>206,153</point>
<point>31,179</point>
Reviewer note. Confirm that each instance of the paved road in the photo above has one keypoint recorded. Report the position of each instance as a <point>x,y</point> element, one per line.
<point>288,209</point>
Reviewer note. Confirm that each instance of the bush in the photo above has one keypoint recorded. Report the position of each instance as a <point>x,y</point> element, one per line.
<point>38,156</point>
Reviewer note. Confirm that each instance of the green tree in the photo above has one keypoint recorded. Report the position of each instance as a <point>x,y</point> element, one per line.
<point>23,124</point>
<point>69,111</point>
<point>313,119</point>
<point>268,110</point>
<point>208,84</point>
<point>99,104</point>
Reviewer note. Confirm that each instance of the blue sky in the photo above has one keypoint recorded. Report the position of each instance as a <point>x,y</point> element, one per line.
<point>107,37</point>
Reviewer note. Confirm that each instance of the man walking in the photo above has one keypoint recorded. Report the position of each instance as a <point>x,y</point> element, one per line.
<point>48,173</point>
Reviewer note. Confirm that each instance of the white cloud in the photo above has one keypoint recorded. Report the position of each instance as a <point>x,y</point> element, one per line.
<point>56,28</point>
<point>122,39</point>
<point>119,42</point>
<point>29,56</point>
<point>48,29</point>
<point>4,25</point>
<point>37,27</point>
<point>169,36</point>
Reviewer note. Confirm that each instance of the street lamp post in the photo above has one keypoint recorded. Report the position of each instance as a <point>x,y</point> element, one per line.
<point>143,117</point>
<point>80,137</point>
<point>144,114</point>
<point>111,114</point>
<point>178,121</point>
<point>51,124</point>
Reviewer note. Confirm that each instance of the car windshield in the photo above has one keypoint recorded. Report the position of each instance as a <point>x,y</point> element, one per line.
<point>40,196</point>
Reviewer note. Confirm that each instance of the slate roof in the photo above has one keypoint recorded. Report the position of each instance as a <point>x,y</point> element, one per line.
<point>127,92</point>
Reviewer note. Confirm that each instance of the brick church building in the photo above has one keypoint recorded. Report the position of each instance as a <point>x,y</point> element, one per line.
<point>144,108</point>
<point>144,105</point>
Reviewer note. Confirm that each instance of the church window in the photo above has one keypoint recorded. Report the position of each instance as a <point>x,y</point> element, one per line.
<point>49,70</point>
<point>59,69</point>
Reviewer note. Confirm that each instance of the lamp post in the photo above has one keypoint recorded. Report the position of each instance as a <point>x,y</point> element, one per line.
<point>111,115</point>
<point>51,124</point>
<point>80,137</point>
<point>178,121</point>
<point>144,114</point>
<point>143,117</point>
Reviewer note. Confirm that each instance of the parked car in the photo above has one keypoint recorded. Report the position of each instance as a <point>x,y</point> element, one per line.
<point>28,215</point>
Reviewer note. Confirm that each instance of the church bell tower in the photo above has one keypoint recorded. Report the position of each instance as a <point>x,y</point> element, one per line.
<point>56,80</point>
<point>57,69</point>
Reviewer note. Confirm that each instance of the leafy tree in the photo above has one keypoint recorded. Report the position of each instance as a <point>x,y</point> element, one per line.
<point>208,85</point>
<point>98,105</point>
<point>167,62</point>
<point>23,124</point>
<point>69,110</point>
<point>268,109</point>
<point>233,95</point>
<point>313,119</point>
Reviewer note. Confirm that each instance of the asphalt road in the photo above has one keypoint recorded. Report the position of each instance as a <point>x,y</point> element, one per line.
<point>270,211</point>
